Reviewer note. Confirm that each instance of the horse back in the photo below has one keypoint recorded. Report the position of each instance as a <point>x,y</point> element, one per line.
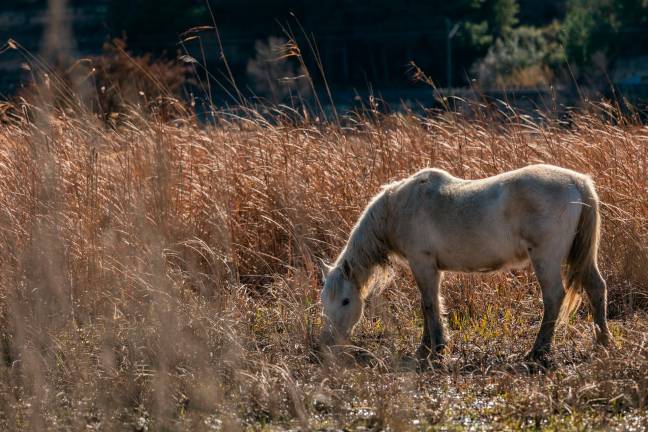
<point>486,224</point>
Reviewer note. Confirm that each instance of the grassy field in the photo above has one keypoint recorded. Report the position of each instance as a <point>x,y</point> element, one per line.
<point>164,275</point>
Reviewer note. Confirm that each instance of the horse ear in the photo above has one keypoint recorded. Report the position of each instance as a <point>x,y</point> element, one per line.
<point>325,269</point>
<point>346,269</point>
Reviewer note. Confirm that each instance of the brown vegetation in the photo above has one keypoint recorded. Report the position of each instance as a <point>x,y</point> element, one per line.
<point>164,275</point>
<point>108,85</point>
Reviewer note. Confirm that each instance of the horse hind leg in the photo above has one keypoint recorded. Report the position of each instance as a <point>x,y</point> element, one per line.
<point>596,290</point>
<point>548,273</point>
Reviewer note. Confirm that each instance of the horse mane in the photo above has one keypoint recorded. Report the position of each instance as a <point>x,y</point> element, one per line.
<point>368,248</point>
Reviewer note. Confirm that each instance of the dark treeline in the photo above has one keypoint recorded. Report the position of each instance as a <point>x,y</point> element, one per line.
<point>360,42</point>
<point>371,44</point>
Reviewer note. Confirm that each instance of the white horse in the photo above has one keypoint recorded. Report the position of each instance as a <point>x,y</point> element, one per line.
<point>436,222</point>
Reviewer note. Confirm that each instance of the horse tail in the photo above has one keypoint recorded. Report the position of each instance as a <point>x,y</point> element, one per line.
<point>582,259</point>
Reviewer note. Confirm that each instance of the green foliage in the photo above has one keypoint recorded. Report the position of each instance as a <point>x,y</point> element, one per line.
<point>488,20</point>
<point>494,18</point>
<point>504,16</point>
<point>527,57</point>
<point>615,28</point>
<point>477,34</point>
<point>585,23</point>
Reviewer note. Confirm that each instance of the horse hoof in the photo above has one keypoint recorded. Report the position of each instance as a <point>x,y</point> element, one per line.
<point>604,340</point>
<point>536,361</point>
<point>536,357</point>
<point>423,352</point>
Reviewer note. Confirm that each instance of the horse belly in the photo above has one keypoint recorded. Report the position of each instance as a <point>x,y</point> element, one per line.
<point>517,262</point>
<point>483,257</point>
<point>484,266</point>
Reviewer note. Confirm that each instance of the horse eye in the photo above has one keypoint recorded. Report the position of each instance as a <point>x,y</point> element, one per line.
<point>345,302</point>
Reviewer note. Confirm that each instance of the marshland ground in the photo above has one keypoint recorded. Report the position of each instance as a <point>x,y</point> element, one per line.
<point>162,273</point>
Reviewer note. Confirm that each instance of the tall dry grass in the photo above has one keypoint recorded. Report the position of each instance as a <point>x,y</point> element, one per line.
<point>163,274</point>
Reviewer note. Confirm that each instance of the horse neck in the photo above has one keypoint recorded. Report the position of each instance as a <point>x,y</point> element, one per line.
<point>367,246</point>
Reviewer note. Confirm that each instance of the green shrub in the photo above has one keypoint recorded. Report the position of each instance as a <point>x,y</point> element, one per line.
<point>528,57</point>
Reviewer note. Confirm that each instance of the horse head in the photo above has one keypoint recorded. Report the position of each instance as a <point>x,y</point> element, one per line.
<point>342,305</point>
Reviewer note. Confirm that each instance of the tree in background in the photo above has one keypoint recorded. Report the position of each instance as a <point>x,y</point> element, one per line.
<point>504,17</point>
<point>527,57</point>
<point>607,28</point>
<point>520,57</point>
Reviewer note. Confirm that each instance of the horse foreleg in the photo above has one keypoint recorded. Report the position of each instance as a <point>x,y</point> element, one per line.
<point>434,338</point>
<point>553,293</point>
